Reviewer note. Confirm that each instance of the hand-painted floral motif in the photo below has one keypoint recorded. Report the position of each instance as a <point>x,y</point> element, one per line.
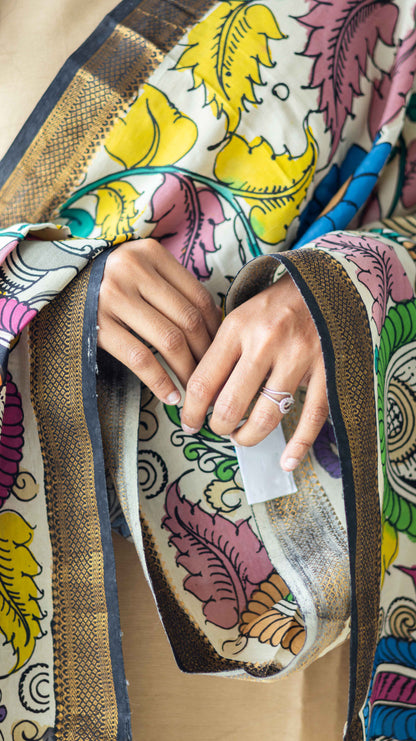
<point>225,560</point>
<point>11,438</point>
<point>20,613</point>
<point>390,93</point>
<point>186,217</point>
<point>274,185</point>
<point>153,132</point>
<point>272,617</point>
<point>214,51</point>
<point>397,414</point>
<point>342,35</point>
<point>380,271</point>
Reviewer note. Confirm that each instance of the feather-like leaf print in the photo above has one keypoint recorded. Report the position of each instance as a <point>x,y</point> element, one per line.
<point>274,185</point>
<point>390,93</point>
<point>342,34</point>
<point>186,218</point>
<point>379,269</point>
<point>153,132</point>
<point>225,560</point>
<point>20,614</point>
<point>225,52</point>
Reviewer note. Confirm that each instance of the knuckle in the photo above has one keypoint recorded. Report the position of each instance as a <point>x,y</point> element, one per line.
<point>264,420</point>
<point>203,300</point>
<point>139,358</point>
<point>317,414</point>
<point>227,410</point>
<point>159,383</point>
<point>148,245</point>
<point>173,340</point>
<point>193,321</point>
<point>198,388</point>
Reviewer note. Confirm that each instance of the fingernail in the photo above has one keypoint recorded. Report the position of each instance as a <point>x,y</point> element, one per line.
<point>173,398</point>
<point>290,464</point>
<point>189,430</point>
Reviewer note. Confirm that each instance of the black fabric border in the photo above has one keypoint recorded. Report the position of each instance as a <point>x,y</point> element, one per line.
<point>59,84</point>
<point>89,353</point>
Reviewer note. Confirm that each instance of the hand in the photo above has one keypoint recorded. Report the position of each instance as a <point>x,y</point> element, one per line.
<point>146,295</point>
<point>272,335</point>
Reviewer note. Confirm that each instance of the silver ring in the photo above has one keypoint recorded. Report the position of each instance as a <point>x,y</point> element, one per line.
<point>285,404</point>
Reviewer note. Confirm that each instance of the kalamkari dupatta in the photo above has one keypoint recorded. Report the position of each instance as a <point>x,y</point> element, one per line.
<point>157,127</point>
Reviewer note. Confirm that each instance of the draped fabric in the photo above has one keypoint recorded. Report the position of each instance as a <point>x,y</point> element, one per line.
<point>250,139</point>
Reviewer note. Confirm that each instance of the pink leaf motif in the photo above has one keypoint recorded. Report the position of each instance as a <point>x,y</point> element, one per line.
<point>186,218</point>
<point>390,93</point>
<point>8,248</point>
<point>380,270</point>
<point>11,439</point>
<point>342,34</point>
<point>409,186</point>
<point>226,561</point>
<point>15,315</point>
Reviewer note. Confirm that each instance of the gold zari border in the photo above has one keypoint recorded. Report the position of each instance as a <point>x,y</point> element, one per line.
<point>346,320</point>
<point>84,692</point>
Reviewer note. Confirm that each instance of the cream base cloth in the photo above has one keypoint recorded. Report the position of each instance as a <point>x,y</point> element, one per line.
<point>35,40</point>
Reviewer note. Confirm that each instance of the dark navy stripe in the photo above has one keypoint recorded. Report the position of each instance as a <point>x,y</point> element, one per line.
<point>89,347</point>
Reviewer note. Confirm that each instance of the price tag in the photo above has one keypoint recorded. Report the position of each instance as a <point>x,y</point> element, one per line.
<point>263,478</point>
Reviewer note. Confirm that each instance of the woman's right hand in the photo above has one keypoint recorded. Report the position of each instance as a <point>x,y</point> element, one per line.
<point>147,296</point>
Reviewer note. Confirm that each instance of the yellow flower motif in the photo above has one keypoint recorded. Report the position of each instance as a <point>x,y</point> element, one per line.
<point>223,496</point>
<point>116,210</point>
<point>233,32</point>
<point>153,132</point>
<point>20,614</point>
<point>274,185</point>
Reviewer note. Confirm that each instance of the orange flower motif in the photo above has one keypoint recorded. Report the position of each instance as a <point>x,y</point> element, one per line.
<point>271,618</point>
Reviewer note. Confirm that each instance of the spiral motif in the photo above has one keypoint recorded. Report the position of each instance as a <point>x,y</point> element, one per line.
<point>35,688</point>
<point>153,474</point>
<point>27,730</point>
<point>401,618</point>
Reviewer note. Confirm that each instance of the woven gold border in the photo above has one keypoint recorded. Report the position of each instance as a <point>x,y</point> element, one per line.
<point>346,320</point>
<point>58,157</point>
<point>84,692</point>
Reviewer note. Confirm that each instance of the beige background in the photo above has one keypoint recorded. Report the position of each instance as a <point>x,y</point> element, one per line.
<point>36,37</point>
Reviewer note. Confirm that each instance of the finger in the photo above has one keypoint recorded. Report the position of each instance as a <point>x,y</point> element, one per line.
<point>207,380</point>
<point>266,413</point>
<point>238,392</point>
<point>173,305</point>
<point>186,283</point>
<point>162,334</point>
<point>315,412</point>
<point>119,342</point>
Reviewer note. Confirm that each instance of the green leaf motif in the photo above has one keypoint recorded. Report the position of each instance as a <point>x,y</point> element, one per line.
<point>20,614</point>
<point>80,222</point>
<point>205,446</point>
<point>398,331</point>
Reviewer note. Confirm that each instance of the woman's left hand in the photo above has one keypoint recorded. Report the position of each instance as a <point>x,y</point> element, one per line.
<point>272,335</point>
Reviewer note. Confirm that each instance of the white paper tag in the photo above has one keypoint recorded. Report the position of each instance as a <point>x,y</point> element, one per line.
<point>263,478</point>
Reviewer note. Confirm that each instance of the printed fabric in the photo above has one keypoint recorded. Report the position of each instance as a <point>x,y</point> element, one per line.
<point>250,138</point>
